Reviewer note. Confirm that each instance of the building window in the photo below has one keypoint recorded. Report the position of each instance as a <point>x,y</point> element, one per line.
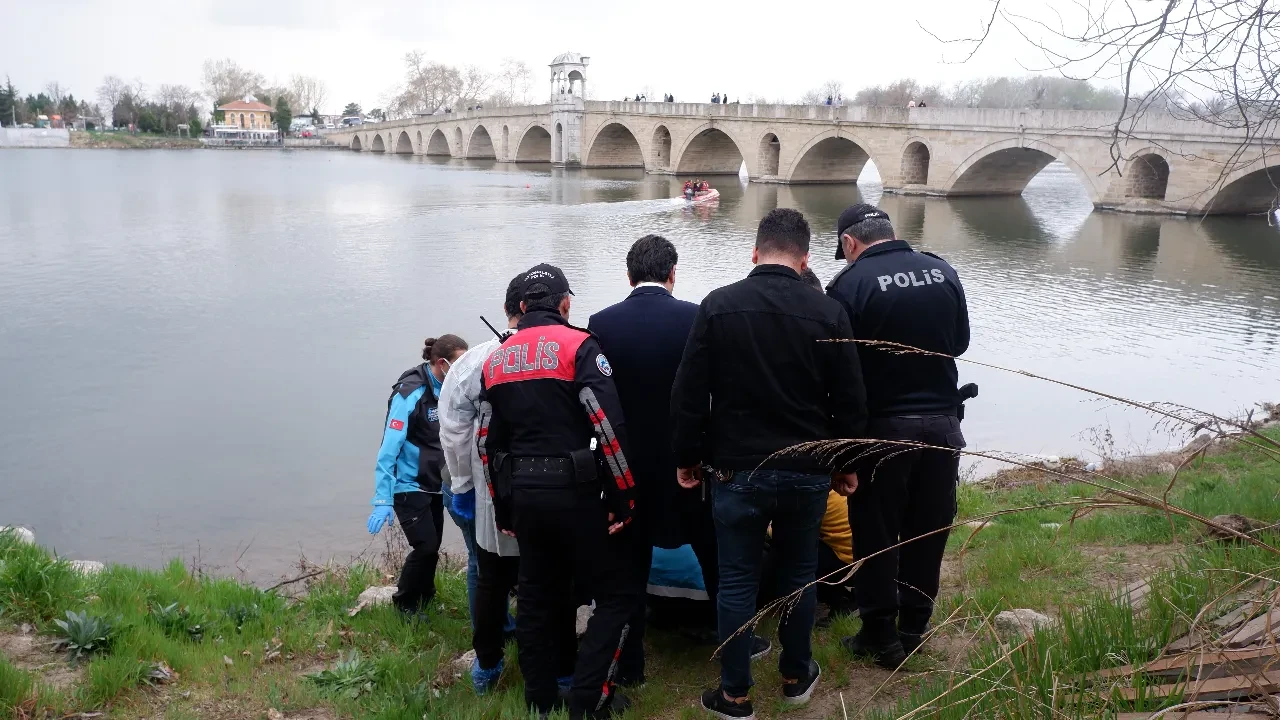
<point>241,119</point>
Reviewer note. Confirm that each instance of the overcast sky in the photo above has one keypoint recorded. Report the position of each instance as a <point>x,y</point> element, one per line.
<point>692,49</point>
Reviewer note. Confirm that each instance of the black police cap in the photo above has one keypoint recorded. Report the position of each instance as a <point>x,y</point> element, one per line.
<point>852,216</point>
<point>550,276</point>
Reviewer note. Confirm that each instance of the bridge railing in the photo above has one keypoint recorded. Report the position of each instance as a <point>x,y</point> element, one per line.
<point>1037,121</point>
<point>1047,121</point>
<point>458,115</point>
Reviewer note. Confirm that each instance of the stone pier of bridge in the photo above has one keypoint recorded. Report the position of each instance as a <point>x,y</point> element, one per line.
<point>1162,165</point>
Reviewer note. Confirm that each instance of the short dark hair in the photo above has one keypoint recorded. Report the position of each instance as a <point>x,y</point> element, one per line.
<point>445,346</point>
<point>783,230</point>
<point>511,304</point>
<point>650,259</point>
<point>811,279</point>
<point>871,230</point>
<point>544,299</point>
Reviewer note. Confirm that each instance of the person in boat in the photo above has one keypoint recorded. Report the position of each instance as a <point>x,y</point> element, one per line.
<point>688,189</point>
<point>704,187</point>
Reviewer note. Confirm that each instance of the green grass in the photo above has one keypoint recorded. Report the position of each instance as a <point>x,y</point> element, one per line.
<point>1012,563</point>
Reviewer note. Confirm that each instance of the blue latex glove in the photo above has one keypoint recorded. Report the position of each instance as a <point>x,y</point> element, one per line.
<point>380,515</point>
<point>464,505</point>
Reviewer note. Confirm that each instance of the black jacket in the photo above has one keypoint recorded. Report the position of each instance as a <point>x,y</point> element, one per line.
<point>645,336</point>
<point>545,392</point>
<point>896,294</point>
<point>756,377</point>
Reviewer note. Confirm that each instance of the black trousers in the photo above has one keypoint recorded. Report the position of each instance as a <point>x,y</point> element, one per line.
<point>495,582</point>
<point>563,535</point>
<point>700,530</point>
<point>421,517</point>
<point>904,494</point>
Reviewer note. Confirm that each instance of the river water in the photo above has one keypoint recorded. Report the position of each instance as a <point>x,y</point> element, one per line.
<point>196,347</point>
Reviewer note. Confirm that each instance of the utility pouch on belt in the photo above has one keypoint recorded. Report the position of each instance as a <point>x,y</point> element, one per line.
<point>501,470</point>
<point>584,466</point>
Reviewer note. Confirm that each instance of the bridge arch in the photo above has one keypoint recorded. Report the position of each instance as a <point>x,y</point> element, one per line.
<point>534,145</point>
<point>404,145</point>
<point>438,144</point>
<point>915,162</point>
<point>378,145</point>
<point>834,156</point>
<point>460,149</point>
<point>481,144</point>
<point>710,151</point>
<point>355,143</point>
<point>1147,176</point>
<point>1251,190</point>
<point>614,145</point>
<point>768,155</point>
<point>1005,168</point>
<point>660,152</point>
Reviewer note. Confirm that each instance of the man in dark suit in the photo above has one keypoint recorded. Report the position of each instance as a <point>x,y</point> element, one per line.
<point>644,337</point>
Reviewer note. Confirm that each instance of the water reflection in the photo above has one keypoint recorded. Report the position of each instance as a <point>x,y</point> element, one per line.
<point>189,329</point>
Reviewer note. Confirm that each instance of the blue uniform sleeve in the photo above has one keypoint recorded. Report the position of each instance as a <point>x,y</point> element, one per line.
<point>393,436</point>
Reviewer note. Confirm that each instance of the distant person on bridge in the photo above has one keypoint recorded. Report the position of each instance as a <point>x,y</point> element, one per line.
<point>408,478</point>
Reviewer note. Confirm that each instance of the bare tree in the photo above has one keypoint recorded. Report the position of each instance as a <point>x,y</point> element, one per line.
<point>428,87</point>
<point>514,82</point>
<point>225,79</point>
<point>110,92</point>
<point>1215,61</point>
<point>56,92</point>
<point>475,86</point>
<point>813,97</point>
<point>831,89</point>
<point>308,93</point>
<point>177,95</point>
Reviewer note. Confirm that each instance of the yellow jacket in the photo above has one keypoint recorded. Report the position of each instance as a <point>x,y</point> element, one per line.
<point>835,530</point>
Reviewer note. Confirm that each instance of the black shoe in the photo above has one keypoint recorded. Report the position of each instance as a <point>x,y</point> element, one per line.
<point>911,641</point>
<point>714,702</point>
<point>760,646</point>
<point>888,655</point>
<point>799,690</point>
<point>616,705</point>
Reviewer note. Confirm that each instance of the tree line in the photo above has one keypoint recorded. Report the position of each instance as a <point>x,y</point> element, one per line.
<point>1032,92</point>
<point>52,100</point>
<point>121,103</point>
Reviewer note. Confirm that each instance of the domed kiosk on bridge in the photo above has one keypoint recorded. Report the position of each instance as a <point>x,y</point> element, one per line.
<point>568,95</point>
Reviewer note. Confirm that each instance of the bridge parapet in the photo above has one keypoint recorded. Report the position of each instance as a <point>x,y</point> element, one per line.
<point>1074,122</point>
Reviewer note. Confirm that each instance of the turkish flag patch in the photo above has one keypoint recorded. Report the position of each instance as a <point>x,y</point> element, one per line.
<point>397,424</point>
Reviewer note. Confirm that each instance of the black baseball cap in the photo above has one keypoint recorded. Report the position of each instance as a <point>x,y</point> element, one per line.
<point>544,274</point>
<point>852,216</point>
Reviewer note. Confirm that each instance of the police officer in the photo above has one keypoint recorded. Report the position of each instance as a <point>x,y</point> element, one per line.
<point>552,443</point>
<point>407,477</point>
<point>894,293</point>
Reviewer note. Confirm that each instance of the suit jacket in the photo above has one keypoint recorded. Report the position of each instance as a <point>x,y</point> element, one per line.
<point>644,338</point>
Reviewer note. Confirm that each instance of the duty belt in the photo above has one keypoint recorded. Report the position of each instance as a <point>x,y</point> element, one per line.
<point>580,466</point>
<point>542,465</point>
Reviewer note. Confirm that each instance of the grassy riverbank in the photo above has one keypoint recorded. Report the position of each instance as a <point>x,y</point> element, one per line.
<point>124,141</point>
<point>238,652</point>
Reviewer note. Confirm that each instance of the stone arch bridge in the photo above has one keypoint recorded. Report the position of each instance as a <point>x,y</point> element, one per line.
<point>1176,167</point>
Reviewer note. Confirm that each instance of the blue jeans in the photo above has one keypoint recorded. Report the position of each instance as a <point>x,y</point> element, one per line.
<point>468,528</point>
<point>743,508</point>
